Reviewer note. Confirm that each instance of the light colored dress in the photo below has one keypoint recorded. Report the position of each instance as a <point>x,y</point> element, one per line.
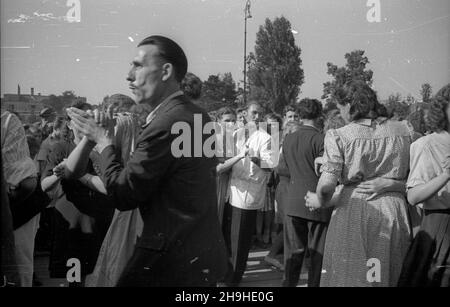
<point>119,242</point>
<point>363,232</point>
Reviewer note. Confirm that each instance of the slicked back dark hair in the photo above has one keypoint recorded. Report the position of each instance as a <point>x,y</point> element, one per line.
<point>309,108</point>
<point>170,52</point>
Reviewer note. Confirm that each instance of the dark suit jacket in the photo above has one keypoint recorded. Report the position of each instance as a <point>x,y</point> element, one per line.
<point>300,149</point>
<point>181,242</point>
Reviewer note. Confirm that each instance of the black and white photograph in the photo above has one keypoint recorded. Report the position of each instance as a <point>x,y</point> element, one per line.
<point>225,149</point>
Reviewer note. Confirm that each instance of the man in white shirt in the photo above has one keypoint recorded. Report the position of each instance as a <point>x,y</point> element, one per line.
<point>247,190</point>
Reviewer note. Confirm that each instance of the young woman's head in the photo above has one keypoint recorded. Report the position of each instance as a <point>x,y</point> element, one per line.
<point>357,101</point>
<point>438,116</point>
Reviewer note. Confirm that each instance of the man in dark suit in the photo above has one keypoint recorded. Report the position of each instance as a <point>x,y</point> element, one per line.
<point>304,230</point>
<point>181,243</point>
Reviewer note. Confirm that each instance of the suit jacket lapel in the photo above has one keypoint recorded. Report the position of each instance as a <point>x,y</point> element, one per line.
<point>163,109</point>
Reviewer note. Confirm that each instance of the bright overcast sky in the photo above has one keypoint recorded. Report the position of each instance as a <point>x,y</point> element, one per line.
<point>410,46</point>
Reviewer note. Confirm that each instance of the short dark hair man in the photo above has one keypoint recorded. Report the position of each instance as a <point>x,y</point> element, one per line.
<point>304,230</point>
<point>181,243</point>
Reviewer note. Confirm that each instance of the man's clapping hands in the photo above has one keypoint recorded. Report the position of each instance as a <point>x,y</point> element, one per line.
<point>96,126</point>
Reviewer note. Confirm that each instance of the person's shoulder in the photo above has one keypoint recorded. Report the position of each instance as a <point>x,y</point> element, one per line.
<point>426,140</point>
<point>292,137</point>
<point>333,132</point>
<point>319,137</point>
<point>397,127</point>
<point>421,144</point>
<point>13,118</point>
<point>318,133</point>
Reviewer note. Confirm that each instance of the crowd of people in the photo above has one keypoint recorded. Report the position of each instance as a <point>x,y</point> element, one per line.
<point>342,188</point>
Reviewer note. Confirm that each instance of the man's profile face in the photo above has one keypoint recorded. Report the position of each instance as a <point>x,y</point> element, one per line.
<point>291,116</point>
<point>145,75</point>
<point>254,113</point>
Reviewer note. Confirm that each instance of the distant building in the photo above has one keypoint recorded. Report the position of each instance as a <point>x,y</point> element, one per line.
<point>27,106</point>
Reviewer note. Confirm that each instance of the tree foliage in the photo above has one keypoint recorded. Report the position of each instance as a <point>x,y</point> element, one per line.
<point>59,103</point>
<point>396,107</point>
<point>426,92</point>
<point>275,74</point>
<point>329,106</point>
<point>354,69</point>
<point>220,88</point>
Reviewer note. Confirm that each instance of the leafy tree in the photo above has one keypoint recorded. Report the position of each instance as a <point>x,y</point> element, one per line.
<point>59,103</point>
<point>229,88</point>
<point>68,94</point>
<point>394,98</point>
<point>275,74</point>
<point>354,69</point>
<point>54,102</point>
<point>425,92</point>
<point>220,88</point>
<point>410,99</point>
<point>397,108</point>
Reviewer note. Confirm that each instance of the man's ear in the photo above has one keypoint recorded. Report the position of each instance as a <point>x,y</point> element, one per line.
<point>167,71</point>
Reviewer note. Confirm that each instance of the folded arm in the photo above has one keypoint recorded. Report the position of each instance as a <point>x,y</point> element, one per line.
<point>94,183</point>
<point>76,164</point>
<point>422,192</point>
<point>228,164</point>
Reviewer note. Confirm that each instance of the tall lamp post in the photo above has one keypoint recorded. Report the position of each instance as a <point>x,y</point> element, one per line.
<point>247,16</point>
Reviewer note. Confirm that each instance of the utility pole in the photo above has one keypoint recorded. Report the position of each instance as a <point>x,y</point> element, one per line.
<point>247,16</point>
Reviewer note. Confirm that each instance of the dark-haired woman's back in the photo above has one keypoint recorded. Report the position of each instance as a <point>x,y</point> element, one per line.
<point>374,233</point>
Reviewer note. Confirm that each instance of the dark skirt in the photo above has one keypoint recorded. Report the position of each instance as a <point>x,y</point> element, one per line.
<point>427,262</point>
